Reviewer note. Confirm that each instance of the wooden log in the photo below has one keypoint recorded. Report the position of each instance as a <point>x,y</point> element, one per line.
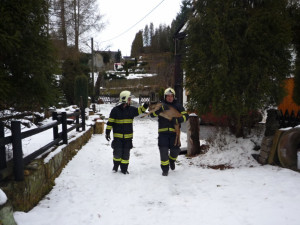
<point>193,131</point>
<point>287,148</point>
<point>273,156</point>
<point>99,127</point>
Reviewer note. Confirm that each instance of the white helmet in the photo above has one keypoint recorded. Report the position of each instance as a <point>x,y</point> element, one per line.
<point>124,96</point>
<point>169,91</point>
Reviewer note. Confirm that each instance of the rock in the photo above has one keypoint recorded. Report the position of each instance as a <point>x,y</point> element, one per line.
<point>6,214</point>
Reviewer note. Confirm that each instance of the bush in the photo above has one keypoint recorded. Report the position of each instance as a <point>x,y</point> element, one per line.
<point>81,91</point>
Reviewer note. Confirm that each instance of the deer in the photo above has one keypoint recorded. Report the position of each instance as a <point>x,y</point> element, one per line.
<point>168,114</point>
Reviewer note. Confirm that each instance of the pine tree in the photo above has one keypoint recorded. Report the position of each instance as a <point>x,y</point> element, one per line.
<point>70,69</point>
<point>137,44</point>
<point>296,92</point>
<point>26,59</point>
<point>294,9</point>
<point>237,57</point>
<point>146,37</point>
<point>151,33</point>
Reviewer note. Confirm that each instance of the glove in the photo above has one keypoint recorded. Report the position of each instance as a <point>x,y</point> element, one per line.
<point>174,120</point>
<point>177,120</point>
<point>161,109</point>
<point>107,136</point>
<point>146,105</point>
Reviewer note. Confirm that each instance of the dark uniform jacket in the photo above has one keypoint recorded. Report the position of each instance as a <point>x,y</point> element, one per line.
<point>164,125</point>
<point>121,121</point>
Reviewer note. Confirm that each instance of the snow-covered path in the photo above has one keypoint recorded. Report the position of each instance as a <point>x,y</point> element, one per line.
<point>88,193</point>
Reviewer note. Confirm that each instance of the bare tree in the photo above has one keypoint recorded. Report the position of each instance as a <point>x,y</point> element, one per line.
<point>74,19</point>
<point>85,18</point>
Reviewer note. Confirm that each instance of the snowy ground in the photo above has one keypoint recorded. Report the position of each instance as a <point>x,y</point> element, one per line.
<point>88,192</point>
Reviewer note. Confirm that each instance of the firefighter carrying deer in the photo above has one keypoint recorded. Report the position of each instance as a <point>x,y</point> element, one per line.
<point>168,136</point>
<point>170,115</point>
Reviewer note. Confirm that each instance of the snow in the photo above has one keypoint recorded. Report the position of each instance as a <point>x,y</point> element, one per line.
<point>88,192</point>
<point>135,75</point>
<point>139,75</point>
<point>3,197</point>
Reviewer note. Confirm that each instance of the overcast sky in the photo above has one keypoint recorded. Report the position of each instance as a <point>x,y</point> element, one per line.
<point>121,17</point>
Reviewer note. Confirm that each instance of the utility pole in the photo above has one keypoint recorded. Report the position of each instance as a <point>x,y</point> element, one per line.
<point>93,91</point>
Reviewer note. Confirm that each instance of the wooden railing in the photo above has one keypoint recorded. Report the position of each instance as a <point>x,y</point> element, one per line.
<point>144,98</point>
<point>16,165</point>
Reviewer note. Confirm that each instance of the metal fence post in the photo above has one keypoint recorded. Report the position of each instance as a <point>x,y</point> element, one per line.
<point>64,127</point>
<point>55,129</point>
<point>17,150</point>
<point>2,149</point>
<point>83,119</point>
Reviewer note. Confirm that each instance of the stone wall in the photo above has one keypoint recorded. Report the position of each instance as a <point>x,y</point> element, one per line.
<point>40,176</point>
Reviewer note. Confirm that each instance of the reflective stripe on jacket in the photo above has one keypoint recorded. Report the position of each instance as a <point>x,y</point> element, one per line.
<point>121,121</point>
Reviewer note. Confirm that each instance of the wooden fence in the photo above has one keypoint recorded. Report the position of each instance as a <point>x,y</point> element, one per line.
<point>16,165</point>
<point>144,98</point>
<point>115,98</point>
<point>288,119</point>
<point>109,98</point>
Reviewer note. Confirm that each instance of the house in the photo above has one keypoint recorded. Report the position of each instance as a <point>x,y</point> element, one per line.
<point>105,60</point>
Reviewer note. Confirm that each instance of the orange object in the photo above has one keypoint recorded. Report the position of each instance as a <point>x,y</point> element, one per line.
<point>288,103</point>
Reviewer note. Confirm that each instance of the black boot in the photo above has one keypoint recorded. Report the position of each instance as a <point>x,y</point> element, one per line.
<point>124,168</point>
<point>116,166</point>
<point>165,169</point>
<point>172,164</point>
<point>165,174</point>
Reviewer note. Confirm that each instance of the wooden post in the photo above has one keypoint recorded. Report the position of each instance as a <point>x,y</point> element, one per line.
<point>2,149</point>
<point>93,88</point>
<point>99,127</point>
<point>17,150</point>
<point>77,119</point>
<point>64,127</point>
<point>193,134</point>
<point>55,129</point>
<point>83,118</point>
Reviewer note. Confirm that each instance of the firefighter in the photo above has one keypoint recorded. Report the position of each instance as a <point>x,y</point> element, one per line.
<point>120,121</point>
<point>166,131</point>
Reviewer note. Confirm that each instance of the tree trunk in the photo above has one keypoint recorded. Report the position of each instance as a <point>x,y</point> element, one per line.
<point>236,126</point>
<point>63,23</point>
<point>76,13</point>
